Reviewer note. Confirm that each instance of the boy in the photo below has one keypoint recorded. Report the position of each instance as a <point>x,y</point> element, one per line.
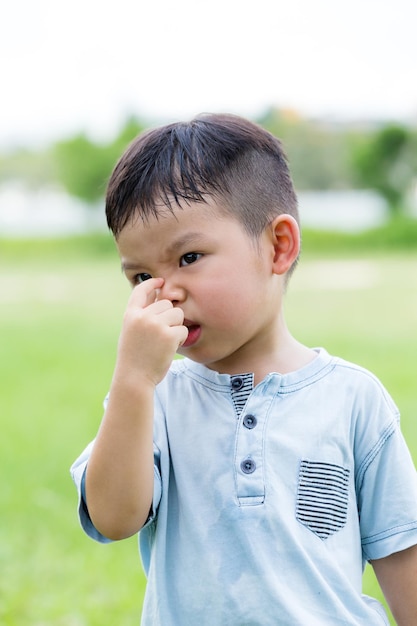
<point>261,474</point>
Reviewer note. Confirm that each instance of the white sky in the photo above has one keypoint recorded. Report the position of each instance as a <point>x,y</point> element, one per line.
<point>86,64</point>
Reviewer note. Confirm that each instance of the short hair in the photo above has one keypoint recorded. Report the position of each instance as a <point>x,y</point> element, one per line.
<point>240,165</point>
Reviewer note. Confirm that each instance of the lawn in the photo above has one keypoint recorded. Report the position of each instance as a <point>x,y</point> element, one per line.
<point>59,321</point>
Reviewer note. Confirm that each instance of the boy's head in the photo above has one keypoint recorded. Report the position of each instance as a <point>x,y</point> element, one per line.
<point>241,166</point>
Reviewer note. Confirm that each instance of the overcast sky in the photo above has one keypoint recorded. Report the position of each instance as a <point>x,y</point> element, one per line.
<point>86,64</point>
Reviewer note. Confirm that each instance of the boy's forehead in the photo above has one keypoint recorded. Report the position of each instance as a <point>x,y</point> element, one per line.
<point>166,238</point>
<point>175,216</point>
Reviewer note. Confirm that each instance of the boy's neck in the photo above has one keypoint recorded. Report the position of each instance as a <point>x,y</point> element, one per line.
<point>282,356</point>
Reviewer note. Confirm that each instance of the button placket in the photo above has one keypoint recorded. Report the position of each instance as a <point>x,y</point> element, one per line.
<point>249,463</point>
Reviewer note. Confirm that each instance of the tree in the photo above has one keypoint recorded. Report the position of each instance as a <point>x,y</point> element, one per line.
<point>386,161</point>
<point>83,167</point>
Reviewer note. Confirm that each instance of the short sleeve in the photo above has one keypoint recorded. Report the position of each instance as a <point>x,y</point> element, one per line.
<point>78,476</point>
<point>387,496</point>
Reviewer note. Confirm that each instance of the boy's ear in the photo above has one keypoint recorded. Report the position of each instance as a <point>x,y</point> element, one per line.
<point>286,238</point>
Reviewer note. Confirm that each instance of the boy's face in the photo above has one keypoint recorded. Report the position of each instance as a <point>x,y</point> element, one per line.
<point>221,279</point>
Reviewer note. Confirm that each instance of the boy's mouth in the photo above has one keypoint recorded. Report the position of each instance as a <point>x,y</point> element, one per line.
<point>194,332</point>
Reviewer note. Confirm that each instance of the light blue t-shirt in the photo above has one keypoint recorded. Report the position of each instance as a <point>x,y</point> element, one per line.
<point>268,501</point>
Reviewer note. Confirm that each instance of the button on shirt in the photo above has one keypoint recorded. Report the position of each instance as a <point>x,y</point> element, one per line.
<point>267,506</point>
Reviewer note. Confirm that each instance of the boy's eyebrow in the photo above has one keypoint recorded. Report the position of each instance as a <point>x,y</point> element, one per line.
<point>128,266</point>
<point>192,238</point>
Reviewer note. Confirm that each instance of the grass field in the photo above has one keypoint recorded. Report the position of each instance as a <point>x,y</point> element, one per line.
<point>59,321</point>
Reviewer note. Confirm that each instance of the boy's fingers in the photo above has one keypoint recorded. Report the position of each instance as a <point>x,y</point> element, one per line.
<point>172,316</point>
<point>183,334</point>
<point>146,293</point>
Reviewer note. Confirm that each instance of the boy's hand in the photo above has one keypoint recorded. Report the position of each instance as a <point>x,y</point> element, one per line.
<point>151,333</point>
<point>120,473</point>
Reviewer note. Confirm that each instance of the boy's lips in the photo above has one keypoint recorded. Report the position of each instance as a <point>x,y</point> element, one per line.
<point>194,332</point>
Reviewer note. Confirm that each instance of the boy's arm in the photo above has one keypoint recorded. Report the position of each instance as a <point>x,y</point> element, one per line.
<point>397,576</point>
<point>119,475</point>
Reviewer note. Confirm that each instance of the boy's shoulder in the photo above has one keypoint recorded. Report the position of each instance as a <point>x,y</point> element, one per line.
<point>362,390</point>
<point>353,371</point>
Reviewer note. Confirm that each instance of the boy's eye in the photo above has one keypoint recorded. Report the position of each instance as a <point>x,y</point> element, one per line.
<point>190,257</point>
<point>140,278</point>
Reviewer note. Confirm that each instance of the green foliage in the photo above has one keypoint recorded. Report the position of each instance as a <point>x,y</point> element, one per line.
<point>387,162</point>
<point>83,166</point>
<point>78,164</point>
<point>322,155</point>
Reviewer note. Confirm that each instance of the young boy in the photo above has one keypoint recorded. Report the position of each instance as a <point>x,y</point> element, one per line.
<point>261,474</point>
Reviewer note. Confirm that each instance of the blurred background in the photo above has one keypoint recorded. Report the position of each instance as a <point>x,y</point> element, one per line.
<point>336,82</point>
<point>81,79</point>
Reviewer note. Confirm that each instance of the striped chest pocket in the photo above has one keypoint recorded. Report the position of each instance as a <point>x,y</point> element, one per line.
<point>323,496</point>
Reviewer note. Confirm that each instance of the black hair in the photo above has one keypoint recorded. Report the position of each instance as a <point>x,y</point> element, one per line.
<point>226,157</point>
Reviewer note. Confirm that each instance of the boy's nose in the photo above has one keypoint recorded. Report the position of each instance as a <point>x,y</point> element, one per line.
<point>171,291</point>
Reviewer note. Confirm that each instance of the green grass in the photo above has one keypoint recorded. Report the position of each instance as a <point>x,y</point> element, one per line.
<point>60,313</point>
